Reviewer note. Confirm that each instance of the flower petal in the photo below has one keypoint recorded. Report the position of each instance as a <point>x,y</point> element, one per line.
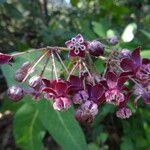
<point>5,58</point>
<point>68,43</point>
<point>75,81</point>
<point>79,38</point>
<point>111,78</point>
<point>136,55</point>
<point>76,53</point>
<point>127,64</point>
<point>96,92</point>
<point>121,82</point>
<point>61,88</point>
<point>145,61</point>
<point>146,97</point>
<point>49,90</point>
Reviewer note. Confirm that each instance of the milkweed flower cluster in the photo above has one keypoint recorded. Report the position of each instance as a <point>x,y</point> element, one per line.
<point>83,86</point>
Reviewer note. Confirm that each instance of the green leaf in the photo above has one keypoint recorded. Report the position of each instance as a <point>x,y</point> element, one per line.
<point>145,53</point>
<point>146,33</point>
<point>74,2</point>
<point>99,29</point>
<point>13,11</point>
<point>93,146</point>
<point>62,126</point>
<point>28,130</point>
<point>127,144</point>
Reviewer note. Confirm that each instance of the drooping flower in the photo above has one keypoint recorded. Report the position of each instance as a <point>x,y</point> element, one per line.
<point>76,84</point>
<point>62,103</point>
<point>114,94</point>
<point>143,73</point>
<point>124,113</point>
<point>87,112</point>
<point>5,58</point>
<point>80,97</point>
<point>77,46</point>
<point>142,91</point>
<point>133,63</point>
<point>96,93</point>
<point>59,91</point>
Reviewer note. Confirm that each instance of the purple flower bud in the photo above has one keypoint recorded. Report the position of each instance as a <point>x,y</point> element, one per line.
<point>125,53</point>
<point>62,103</point>
<point>35,82</point>
<point>113,40</point>
<point>96,48</point>
<point>15,93</point>
<point>83,117</point>
<point>80,97</point>
<point>19,75</point>
<point>25,66</point>
<point>124,113</point>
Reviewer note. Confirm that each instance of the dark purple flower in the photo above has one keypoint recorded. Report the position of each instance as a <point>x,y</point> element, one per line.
<point>80,97</point>
<point>59,91</point>
<point>133,63</point>
<point>96,93</point>
<point>87,112</point>
<point>143,73</point>
<point>56,88</point>
<point>114,93</point>
<point>95,48</point>
<point>124,113</point>
<point>146,97</point>
<point>77,46</point>
<point>76,84</point>
<point>15,93</point>
<point>142,91</point>
<point>5,58</point>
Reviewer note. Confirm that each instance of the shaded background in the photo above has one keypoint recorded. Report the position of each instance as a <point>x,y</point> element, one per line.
<point>28,24</point>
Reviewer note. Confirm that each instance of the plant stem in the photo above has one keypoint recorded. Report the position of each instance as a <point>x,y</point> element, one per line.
<point>62,62</point>
<point>54,66</point>
<point>26,52</point>
<point>88,72</point>
<point>46,62</point>
<point>34,66</point>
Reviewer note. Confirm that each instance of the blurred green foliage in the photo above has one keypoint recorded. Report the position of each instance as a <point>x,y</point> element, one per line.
<point>37,23</point>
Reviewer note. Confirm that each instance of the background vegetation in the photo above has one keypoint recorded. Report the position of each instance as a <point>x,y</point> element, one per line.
<point>28,24</point>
